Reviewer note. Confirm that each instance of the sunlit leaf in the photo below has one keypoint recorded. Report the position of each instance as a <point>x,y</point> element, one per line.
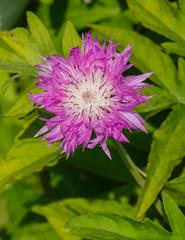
<point>22,107</point>
<point>59,213</point>
<point>70,38</point>
<point>174,48</point>
<point>114,227</point>
<point>160,16</point>
<point>19,40</point>
<point>40,34</point>
<point>166,152</point>
<point>37,231</point>
<point>25,157</point>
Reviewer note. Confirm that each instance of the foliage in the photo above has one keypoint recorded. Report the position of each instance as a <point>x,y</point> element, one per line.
<point>45,196</point>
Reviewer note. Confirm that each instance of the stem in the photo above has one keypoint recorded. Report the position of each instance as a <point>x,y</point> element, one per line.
<point>136,172</point>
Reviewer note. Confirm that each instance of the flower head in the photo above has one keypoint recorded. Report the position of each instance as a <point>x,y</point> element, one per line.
<point>90,98</point>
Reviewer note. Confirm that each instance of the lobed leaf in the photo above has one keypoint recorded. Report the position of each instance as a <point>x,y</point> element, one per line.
<point>21,108</point>
<point>70,38</point>
<point>59,213</point>
<point>166,152</point>
<point>114,227</point>
<point>160,16</point>
<point>40,35</point>
<point>19,40</point>
<point>25,157</point>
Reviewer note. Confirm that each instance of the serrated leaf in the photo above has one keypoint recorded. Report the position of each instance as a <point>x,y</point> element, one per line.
<point>59,213</point>
<point>19,40</point>
<point>147,56</point>
<point>161,99</point>
<point>113,227</point>
<point>21,108</point>
<point>40,34</point>
<point>160,16</point>
<point>166,152</point>
<point>70,38</point>
<point>11,62</point>
<point>9,56</point>
<point>57,216</point>
<point>174,48</point>
<point>26,157</point>
<point>176,189</point>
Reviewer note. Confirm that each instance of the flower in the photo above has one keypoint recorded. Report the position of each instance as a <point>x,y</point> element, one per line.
<point>90,98</point>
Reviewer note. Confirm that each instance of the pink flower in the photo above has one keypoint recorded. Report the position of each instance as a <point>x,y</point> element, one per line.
<point>90,98</point>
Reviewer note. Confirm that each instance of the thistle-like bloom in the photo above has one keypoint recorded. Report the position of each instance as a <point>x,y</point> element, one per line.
<point>90,98</point>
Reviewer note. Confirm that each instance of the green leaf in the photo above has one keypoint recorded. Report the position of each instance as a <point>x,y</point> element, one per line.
<point>147,56</point>
<point>160,16</point>
<point>21,68</point>
<point>40,34</point>
<point>36,231</point>
<point>70,38</point>
<point>14,204</point>
<point>21,108</point>
<point>175,217</point>
<point>6,55</point>
<point>166,152</point>
<point>161,99</point>
<point>19,40</point>
<point>174,48</point>
<point>25,157</point>
<point>176,189</point>
<point>59,213</point>
<point>113,227</point>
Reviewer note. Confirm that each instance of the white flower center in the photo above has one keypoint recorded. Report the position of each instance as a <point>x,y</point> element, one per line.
<point>92,96</point>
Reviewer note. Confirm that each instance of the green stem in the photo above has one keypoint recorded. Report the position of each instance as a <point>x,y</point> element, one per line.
<point>136,172</point>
